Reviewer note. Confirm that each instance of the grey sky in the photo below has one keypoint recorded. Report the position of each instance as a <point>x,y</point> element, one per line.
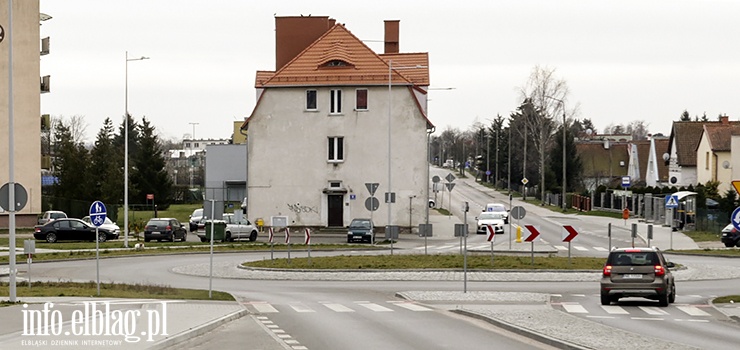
<point>623,60</point>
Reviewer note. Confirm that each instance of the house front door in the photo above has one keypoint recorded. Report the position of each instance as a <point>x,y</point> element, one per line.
<point>336,213</point>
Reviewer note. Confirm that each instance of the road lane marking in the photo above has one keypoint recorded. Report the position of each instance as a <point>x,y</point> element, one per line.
<point>614,310</point>
<point>298,307</point>
<point>373,306</point>
<point>601,249</point>
<point>647,318</point>
<point>575,308</point>
<point>410,306</point>
<point>652,310</point>
<point>577,247</point>
<point>693,311</point>
<point>691,320</point>
<point>561,247</point>
<point>338,307</point>
<point>264,307</point>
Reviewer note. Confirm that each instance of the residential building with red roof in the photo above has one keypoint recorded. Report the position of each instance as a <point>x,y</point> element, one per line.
<point>320,130</point>
<point>714,161</point>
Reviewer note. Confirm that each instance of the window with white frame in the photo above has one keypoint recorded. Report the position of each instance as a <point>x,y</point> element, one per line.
<point>336,149</point>
<point>310,100</point>
<point>361,99</point>
<point>336,102</point>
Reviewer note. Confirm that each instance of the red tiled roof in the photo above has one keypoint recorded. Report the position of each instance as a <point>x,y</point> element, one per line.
<point>719,137</point>
<point>362,65</point>
<point>687,136</point>
<point>661,147</point>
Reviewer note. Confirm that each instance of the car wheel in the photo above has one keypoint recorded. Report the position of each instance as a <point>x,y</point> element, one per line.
<point>203,240</point>
<point>184,236</point>
<point>605,300</point>
<point>663,299</point>
<point>253,236</point>
<point>729,245</point>
<point>102,237</point>
<point>349,240</point>
<point>51,237</point>
<point>227,238</point>
<point>672,297</point>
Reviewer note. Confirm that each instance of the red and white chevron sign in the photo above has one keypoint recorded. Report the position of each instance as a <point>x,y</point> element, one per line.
<point>569,234</point>
<point>307,240</point>
<point>271,235</point>
<point>533,233</point>
<point>287,235</point>
<point>491,233</point>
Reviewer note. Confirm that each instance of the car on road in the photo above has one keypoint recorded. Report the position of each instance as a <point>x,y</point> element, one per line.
<point>66,229</point>
<point>108,225</point>
<point>494,219</point>
<point>168,229</point>
<point>360,230</point>
<point>197,220</point>
<point>637,272</point>
<point>51,215</point>
<point>498,208</point>
<point>730,236</point>
<point>238,229</point>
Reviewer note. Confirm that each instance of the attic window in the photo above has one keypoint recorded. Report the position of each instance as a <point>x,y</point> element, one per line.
<point>337,63</point>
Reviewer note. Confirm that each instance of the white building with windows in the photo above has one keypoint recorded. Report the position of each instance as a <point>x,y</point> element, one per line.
<point>320,129</point>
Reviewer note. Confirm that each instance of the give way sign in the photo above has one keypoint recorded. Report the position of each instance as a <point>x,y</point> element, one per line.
<point>533,233</point>
<point>569,234</point>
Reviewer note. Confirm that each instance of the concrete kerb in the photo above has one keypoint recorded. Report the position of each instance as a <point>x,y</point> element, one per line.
<point>198,330</point>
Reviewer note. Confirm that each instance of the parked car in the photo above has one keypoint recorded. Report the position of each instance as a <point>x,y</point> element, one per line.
<point>498,208</point>
<point>730,236</point>
<point>168,229</point>
<point>197,221</point>
<point>238,229</point>
<point>360,230</point>
<point>637,272</point>
<point>70,229</point>
<point>486,218</point>
<point>51,215</point>
<point>108,225</point>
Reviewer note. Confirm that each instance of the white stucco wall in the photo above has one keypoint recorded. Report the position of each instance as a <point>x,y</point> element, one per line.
<point>26,102</point>
<point>288,167</point>
<point>704,165</point>
<point>685,175</point>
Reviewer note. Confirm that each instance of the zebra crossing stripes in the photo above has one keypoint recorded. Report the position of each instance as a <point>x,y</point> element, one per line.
<point>337,307</point>
<point>692,310</point>
<point>263,307</point>
<point>614,310</point>
<point>373,307</point>
<point>639,312</point>
<point>487,246</point>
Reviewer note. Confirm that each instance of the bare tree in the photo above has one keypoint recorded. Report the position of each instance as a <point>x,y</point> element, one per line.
<point>547,95</point>
<point>638,129</point>
<point>77,127</point>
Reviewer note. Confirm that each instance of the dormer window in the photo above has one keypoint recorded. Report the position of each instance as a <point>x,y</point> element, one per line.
<point>336,63</point>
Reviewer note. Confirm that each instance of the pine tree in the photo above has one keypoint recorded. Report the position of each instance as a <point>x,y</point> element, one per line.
<point>107,162</point>
<point>148,169</point>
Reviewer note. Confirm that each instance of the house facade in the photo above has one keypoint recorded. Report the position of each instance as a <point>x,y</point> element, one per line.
<point>28,85</point>
<point>714,160</point>
<point>333,117</point>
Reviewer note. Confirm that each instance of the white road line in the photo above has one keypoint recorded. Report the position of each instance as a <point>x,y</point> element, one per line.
<point>614,310</point>
<point>264,308</point>
<point>278,331</point>
<point>561,247</point>
<point>691,320</point>
<point>374,307</point>
<point>579,295</point>
<point>575,308</point>
<point>298,307</point>
<point>272,326</point>
<point>410,306</point>
<point>693,311</point>
<point>299,347</point>
<point>608,317</point>
<point>338,307</point>
<point>577,247</point>
<point>601,249</point>
<point>646,318</point>
<point>651,310</point>
<point>290,341</point>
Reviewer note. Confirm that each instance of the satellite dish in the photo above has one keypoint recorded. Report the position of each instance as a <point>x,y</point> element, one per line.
<point>666,156</point>
<point>589,132</point>
<point>726,164</point>
<point>673,179</point>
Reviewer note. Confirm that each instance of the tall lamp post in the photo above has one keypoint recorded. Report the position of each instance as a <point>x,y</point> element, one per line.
<point>125,158</point>
<point>565,182</point>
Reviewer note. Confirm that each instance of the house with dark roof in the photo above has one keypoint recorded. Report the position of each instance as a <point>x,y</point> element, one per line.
<point>714,161</point>
<point>333,117</point>
<point>682,150</point>
<point>604,162</point>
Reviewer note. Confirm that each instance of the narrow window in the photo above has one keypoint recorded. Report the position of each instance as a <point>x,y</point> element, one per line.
<point>336,102</point>
<point>706,161</point>
<point>336,149</point>
<point>361,100</point>
<point>311,100</point>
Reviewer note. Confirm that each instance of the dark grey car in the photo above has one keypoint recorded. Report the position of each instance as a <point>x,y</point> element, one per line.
<point>360,230</point>
<point>637,272</point>
<point>164,229</point>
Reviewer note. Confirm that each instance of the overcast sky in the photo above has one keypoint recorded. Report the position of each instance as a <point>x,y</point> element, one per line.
<point>623,60</point>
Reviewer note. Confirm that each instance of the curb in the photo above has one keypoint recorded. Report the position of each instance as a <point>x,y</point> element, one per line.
<point>197,330</point>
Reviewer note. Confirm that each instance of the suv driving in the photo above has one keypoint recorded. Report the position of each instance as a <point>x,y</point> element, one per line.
<point>637,272</point>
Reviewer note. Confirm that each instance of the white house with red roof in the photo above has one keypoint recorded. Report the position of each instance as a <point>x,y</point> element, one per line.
<point>320,130</point>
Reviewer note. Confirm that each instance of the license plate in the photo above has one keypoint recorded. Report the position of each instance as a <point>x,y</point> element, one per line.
<point>632,276</point>
<point>156,233</point>
<point>356,237</point>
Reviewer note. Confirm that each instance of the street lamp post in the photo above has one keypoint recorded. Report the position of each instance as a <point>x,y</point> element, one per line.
<point>125,158</point>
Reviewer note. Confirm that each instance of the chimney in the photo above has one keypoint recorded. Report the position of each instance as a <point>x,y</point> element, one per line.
<point>391,36</point>
<point>294,34</point>
<point>725,120</point>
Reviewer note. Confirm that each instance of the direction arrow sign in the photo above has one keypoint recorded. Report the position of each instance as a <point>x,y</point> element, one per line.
<point>372,187</point>
<point>271,235</point>
<point>671,201</point>
<point>736,218</point>
<point>307,240</point>
<point>491,233</point>
<point>450,186</point>
<point>287,235</point>
<point>569,234</point>
<point>533,233</point>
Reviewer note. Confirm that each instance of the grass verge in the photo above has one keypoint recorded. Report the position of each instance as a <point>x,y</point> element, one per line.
<point>703,236</point>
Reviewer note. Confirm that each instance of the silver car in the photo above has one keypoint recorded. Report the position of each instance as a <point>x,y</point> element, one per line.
<point>239,229</point>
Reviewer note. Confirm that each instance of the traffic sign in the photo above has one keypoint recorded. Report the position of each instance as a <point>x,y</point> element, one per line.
<point>491,233</point>
<point>287,235</point>
<point>533,233</point>
<point>21,197</point>
<point>450,177</point>
<point>372,204</point>
<point>307,238</point>
<point>626,181</point>
<point>671,201</point>
<point>97,213</point>
<point>271,235</point>
<point>569,234</point>
<point>372,187</point>
<point>435,179</point>
<point>524,181</point>
<point>450,186</point>
<point>735,218</point>
<point>736,185</point>
<point>518,212</point>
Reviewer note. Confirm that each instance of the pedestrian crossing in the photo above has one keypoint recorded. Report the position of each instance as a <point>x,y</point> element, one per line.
<point>449,248</point>
<point>263,307</point>
<point>678,312</point>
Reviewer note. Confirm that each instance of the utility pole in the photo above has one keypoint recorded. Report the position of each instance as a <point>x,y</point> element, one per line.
<point>488,157</point>
<point>495,177</point>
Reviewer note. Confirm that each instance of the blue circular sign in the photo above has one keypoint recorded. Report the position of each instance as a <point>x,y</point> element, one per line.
<point>735,218</point>
<point>97,213</point>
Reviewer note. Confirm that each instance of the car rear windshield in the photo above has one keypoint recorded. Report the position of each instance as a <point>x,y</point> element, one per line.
<point>633,259</point>
<point>158,223</point>
<point>360,224</point>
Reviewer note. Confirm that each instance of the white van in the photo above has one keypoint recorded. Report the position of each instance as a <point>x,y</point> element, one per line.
<point>498,208</point>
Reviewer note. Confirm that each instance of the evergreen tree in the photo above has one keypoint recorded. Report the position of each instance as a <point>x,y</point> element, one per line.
<point>148,169</point>
<point>107,161</point>
<point>71,166</point>
<point>574,168</point>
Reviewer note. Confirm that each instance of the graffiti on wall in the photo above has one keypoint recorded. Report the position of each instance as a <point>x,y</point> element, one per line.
<point>298,209</point>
